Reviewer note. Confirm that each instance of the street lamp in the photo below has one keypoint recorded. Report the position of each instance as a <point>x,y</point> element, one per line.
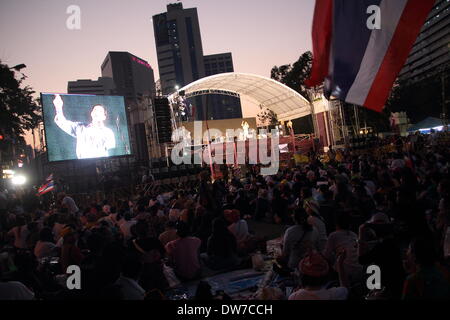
<point>18,180</point>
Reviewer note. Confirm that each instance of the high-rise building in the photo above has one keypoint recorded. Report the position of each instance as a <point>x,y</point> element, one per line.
<point>132,76</point>
<point>218,63</point>
<point>134,79</point>
<point>221,106</point>
<point>178,47</point>
<point>102,86</point>
<point>431,52</point>
<point>181,61</point>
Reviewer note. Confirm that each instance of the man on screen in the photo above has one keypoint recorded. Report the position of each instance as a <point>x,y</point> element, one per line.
<point>94,139</point>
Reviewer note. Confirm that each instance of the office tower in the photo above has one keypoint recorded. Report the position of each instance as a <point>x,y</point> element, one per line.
<point>178,47</point>
<point>218,63</point>
<point>102,86</point>
<point>221,106</point>
<point>133,78</point>
<point>431,52</point>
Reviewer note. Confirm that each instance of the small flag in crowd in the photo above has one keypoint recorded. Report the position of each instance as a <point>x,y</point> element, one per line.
<point>47,186</point>
<point>360,46</point>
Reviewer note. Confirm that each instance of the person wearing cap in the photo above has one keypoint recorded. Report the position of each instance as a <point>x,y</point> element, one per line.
<point>314,271</point>
<point>183,253</point>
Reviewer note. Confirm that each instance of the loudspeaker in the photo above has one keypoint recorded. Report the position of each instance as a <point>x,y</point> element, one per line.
<point>141,142</point>
<point>163,123</point>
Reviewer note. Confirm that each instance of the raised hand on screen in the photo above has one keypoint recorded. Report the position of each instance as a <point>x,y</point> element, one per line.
<point>58,103</point>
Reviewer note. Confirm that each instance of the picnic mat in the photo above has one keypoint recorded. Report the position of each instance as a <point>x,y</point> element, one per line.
<point>230,282</point>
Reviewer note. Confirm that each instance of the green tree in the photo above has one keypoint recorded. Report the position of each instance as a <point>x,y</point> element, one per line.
<point>268,117</point>
<point>295,75</point>
<point>19,111</point>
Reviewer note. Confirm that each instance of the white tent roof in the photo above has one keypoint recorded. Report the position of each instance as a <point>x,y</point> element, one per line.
<point>285,102</point>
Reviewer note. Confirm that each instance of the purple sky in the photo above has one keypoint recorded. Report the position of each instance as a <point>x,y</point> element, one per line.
<point>259,33</point>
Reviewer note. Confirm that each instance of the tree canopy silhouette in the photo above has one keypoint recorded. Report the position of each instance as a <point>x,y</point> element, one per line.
<point>295,75</point>
<point>19,111</point>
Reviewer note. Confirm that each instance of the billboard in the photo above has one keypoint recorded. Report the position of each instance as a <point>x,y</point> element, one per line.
<point>84,126</point>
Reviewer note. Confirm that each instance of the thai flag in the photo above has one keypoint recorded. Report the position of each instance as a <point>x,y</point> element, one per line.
<point>47,187</point>
<point>360,46</point>
<point>50,177</point>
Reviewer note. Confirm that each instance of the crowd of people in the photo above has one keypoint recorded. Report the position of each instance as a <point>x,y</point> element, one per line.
<point>342,215</point>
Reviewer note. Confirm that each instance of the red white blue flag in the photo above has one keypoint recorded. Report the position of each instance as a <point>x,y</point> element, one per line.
<point>360,46</point>
<point>47,187</point>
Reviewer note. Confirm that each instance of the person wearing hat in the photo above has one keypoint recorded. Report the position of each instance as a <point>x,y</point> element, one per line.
<point>314,271</point>
<point>183,253</point>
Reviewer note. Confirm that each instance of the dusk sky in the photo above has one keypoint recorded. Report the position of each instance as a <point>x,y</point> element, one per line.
<point>260,34</point>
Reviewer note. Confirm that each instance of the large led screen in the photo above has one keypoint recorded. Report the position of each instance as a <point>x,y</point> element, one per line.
<point>84,126</point>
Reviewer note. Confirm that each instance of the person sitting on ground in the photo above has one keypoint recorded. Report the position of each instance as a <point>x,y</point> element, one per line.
<point>151,252</point>
<point>246,242</point>
<point>169,234</point>
<point>128,280</point>
<point>221,247</point>
<point>344,239</point>
<point>14,290</point>
<point>183,253</point>
<point>428,279</point>
<point>61,222</point>
<point>315,219</point>
<point>125,227</point>
<point>238,227</point>
<point>314,271</point>
<point>70,253</point>
<point>298,239</point>
<point>377,246</point>
<point>262,206</point>
<point>45,247</point>
<point>20,233</point>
